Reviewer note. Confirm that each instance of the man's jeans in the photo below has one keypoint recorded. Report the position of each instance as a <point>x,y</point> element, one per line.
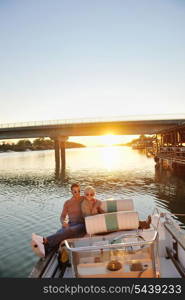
<point>73,231</point>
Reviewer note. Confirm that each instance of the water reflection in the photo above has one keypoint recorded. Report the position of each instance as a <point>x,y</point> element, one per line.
<point>171,190</point>
<point>110,157</point>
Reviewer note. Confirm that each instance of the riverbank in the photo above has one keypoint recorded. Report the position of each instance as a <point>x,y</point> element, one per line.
<point>37,144</point>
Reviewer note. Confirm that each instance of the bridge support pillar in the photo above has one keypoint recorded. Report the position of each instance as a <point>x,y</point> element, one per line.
<point>63,156</point>
<point>60,157</point>
<point>57,158</point>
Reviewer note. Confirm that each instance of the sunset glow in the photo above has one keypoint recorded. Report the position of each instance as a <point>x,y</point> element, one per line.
<point>108,139</point>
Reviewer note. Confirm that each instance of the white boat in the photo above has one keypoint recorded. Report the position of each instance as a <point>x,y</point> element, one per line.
<point>157,252</point>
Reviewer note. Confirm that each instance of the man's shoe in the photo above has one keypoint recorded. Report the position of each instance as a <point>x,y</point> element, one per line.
<point>38,245</point>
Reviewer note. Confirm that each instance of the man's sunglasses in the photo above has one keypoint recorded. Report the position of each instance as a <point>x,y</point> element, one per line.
<point>76,192</point>
<point>89,194</point>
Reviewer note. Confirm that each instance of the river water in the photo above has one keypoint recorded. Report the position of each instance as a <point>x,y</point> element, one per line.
<point>31,199</point>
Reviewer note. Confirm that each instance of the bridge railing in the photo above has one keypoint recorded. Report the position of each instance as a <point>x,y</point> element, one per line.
<point>59,122</point>
<point>93,120</point>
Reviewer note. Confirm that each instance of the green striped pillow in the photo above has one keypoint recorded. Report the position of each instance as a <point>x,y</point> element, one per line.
<point>122,220</point>
<point>117,205</point>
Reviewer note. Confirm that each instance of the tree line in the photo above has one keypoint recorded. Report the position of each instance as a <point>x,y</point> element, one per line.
<point>142,139</point>
<point>37,144</point>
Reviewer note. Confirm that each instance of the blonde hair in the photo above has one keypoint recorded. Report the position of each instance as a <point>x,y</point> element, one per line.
<point>89,188</point>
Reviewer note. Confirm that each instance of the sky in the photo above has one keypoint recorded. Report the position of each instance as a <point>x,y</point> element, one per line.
<point>64,59</point>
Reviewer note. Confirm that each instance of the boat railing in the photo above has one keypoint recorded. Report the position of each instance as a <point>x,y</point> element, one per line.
<point>112,246</point>
<point>144,249</point>
<point>167,215</point>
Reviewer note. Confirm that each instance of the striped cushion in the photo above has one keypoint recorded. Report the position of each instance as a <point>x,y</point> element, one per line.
<point>102,223</point>
<point>117,205</point>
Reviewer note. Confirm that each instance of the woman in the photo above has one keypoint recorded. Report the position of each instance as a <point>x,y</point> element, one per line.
<point>90,205</point>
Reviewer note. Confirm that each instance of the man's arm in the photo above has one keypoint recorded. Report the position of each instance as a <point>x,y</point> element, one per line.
<point>63,214</point>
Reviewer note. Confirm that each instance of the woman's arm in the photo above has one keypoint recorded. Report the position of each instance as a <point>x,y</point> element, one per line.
<point>85,208</point>
<point>99,209</point>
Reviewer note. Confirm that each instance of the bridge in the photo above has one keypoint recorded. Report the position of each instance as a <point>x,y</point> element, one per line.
<point>60,130</point>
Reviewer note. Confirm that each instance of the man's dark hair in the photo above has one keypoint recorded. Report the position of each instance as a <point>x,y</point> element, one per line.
<point>74,185</point>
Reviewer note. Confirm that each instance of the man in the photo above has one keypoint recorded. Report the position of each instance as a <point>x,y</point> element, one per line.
<point>75,226</point>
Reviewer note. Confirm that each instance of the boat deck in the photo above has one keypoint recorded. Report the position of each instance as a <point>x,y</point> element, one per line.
<point>170,258</point>
<point>167,269</point>
<point>50,268</point>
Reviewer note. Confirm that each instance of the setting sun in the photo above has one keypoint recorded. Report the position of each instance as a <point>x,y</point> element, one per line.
<point>109,139</point>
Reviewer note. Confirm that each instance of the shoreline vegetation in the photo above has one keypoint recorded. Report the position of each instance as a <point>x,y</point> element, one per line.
<point>48,144</point>
<point>141,140</point>
<point>37,144</point>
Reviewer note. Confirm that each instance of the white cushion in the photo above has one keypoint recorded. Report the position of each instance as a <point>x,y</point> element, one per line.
<point>117,205</point>
<point>108,222</point>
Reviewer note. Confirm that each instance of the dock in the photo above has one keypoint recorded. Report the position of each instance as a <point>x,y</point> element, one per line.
<point>170,149</point>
